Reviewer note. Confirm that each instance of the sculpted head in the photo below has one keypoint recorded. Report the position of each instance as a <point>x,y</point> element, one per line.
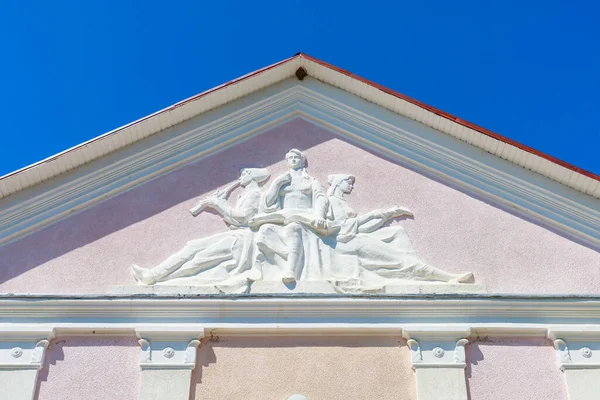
<point>295,159</point>
<point>345,182</point>
<point>258,175</point>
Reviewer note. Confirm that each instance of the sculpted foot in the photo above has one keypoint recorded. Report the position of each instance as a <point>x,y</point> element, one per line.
<point>459,278</point>
<point>142,275</point>
<point>288,277</point>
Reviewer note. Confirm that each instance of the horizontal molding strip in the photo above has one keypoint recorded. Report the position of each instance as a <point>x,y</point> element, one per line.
<point>563,214</point>
<point>485,309</point>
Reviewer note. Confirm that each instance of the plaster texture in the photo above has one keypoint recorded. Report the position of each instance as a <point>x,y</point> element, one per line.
<point>583,384</point>
<point>18,384</point>
<point>319,368</point>
<point>92,251</point>
<point>87,368</point>
<point>523,369</point>
<point>159,384</point>
<point>438,383</point>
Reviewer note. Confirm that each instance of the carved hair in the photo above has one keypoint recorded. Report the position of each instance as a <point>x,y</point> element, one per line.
<point>336,180</point>
<point>258,174</point>
<point>299,154</point>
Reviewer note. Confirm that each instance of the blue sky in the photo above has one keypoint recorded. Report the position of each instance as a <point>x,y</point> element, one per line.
<point>72,70</point>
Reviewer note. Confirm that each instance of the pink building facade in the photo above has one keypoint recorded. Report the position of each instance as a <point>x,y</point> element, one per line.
<point>406,255</point>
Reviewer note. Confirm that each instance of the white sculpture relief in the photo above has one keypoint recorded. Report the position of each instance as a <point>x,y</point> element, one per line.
<point>296,232</point>
<point>388,251</point>
<point>222,255</point>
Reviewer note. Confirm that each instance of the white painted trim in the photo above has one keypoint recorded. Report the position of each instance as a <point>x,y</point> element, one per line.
<point>415,317</point>
<point>167,357</point>
<point>168,346</point>
<point>437,346</point>
<point>22,352</point>
<point>440,347</point>
<point>214,98</point>
<point>578,356</point>
<point>577,347</point>
<point>421,148</point>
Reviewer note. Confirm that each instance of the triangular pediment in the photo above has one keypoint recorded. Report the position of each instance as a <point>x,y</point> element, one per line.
<point>397,161</point>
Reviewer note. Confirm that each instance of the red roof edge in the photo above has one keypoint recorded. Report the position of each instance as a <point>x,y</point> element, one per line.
<point>451,117</point>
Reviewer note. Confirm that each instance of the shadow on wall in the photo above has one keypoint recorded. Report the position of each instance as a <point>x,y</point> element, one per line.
<point>78,363</point>
<point>163,193</point>
<point>156,196</point>
<point>521,368</point>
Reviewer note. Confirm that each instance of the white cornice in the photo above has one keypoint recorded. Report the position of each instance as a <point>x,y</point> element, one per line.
<point>526,193</point>
<point>484,316</point>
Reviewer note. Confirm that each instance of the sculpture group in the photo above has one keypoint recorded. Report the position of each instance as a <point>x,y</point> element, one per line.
<point>296,232</point>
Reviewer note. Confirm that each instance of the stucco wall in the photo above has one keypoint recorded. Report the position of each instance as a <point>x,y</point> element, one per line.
<point>319,368</point>
<point>79,368</point>
<point>523,369</point>
<point>92,251</point>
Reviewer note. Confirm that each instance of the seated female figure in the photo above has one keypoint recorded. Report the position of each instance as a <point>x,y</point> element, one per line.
<point>387,252</point>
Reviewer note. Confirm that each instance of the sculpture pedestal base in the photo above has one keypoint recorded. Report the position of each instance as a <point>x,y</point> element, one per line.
<point>304,287</point>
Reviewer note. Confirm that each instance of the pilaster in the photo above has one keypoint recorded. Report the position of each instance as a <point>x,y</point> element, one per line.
<point>22,352</point>
<point>578,356</point>
<point>167,358</point>
<point>438,358</point>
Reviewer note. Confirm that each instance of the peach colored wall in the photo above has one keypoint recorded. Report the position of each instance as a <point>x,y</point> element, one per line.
<point>87,368</point>
<point>523,369</point>
<point>92,251</point>
<point>319,368</point>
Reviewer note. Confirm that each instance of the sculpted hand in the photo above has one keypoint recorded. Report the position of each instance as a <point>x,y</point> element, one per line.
<point>399,211</point>
<point>213,201</point>
<point>319,223</point>
<point>283,179</point>
<point>220,194</point>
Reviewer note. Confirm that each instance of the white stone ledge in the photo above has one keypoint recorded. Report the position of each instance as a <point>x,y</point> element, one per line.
<point>434,365</point>
<point>278,288</point>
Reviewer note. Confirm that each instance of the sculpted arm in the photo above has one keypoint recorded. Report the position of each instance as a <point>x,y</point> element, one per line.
<point>273,193</point>
<point>373,220</point>
<point>238,216</point>
<point>320,203</point>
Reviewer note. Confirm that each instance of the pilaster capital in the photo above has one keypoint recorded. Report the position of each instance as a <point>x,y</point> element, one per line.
<point>170,347</point>
<point>437,346</point>
<point>23,346</point>
<point>576,347</point>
